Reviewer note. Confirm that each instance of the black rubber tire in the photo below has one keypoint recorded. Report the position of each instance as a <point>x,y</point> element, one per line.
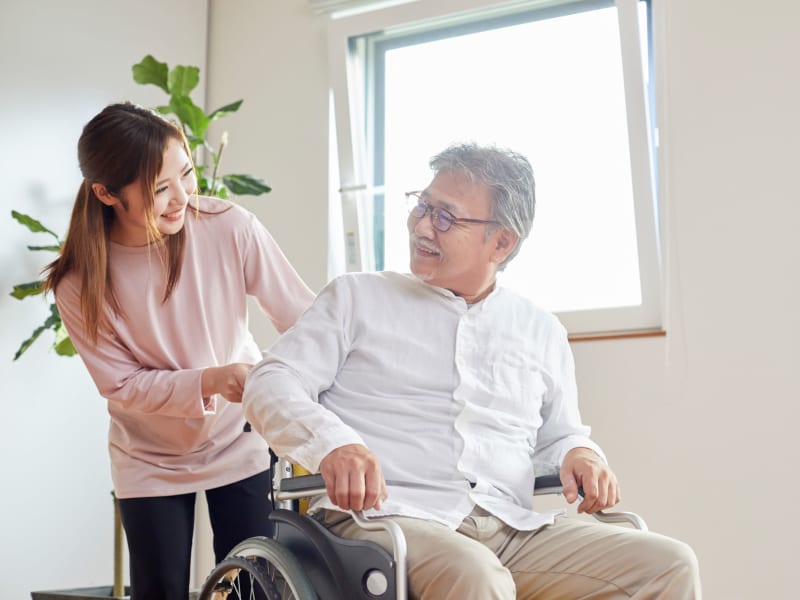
<point>275,570</point>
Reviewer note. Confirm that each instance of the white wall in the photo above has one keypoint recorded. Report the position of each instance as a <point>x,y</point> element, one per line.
<point>698,424</point>
<point>714,406</point>
<point>273,54</point>
<point>60,63</point>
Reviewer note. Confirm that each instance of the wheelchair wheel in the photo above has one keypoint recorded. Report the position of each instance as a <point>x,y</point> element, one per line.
<point>258,568</point>
<point>237,578</point>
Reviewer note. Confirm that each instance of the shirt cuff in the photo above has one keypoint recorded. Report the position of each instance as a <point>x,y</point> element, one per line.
<point>586,443</point>
<point>311,454</point>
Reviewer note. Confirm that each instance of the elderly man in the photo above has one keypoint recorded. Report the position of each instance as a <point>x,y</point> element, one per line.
<point>434,397</point>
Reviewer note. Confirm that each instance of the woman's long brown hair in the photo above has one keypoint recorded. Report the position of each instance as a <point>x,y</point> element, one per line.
<point>122,144</point>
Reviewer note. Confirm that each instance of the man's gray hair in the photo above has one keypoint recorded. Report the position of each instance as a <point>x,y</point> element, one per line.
<point>508,175</point>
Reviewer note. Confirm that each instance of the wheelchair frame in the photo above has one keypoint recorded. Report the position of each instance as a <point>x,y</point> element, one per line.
<point>305,561</point>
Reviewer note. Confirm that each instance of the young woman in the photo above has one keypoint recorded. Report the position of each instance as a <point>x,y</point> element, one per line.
<point>152,285</point>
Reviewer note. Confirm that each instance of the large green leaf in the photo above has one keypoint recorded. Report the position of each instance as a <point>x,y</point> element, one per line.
<point>195,141</point>
<point>151,71</point>
<point>31,223</point>
<point>52,322</point>
<point>190,115</point>
<point>225,110</point>
<point>29,342</point>
<point>23,290</point>
<point>65,348</point>
<point>183,80</point>
<point>246,185</point>
<point>203,185</point>
<point>63,344</point>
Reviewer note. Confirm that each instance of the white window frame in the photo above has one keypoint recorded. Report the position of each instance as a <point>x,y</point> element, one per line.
<point>348,91</point>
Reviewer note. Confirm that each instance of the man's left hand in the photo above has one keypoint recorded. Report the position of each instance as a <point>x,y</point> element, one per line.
<point>583,467</point>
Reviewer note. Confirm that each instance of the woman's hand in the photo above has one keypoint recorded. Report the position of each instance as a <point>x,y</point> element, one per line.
<point>227,381</point>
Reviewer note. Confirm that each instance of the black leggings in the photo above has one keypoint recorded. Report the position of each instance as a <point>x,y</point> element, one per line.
<point>159,532</point>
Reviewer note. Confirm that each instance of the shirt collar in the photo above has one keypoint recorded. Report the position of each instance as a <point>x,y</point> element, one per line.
<point>450,295</point>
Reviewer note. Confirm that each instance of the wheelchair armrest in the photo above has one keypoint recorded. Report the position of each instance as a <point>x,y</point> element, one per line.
<point>303,486</point>
<point>311,484</point>
<point>302,483</point>
<point>548,484</point>
<point>551,484</point>
<point>545,484</point>
<point>300,486</point>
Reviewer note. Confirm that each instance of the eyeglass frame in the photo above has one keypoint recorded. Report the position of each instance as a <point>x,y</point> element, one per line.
<point>435,213</point>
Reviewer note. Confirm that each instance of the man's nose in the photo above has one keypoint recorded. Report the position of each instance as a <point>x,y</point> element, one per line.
<point>424,226</point>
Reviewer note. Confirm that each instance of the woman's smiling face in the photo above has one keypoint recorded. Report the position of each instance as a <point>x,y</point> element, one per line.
<point>174,185</point>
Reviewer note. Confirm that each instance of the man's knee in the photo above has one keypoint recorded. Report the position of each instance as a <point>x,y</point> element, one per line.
<point>685,568</point>
<point>675,571</point>
<point>475,575</point>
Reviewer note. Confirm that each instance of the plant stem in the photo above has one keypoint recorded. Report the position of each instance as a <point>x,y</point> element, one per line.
<point>216,158</point>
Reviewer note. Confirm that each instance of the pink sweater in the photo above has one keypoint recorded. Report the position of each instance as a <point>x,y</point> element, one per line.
<point>165,438</point>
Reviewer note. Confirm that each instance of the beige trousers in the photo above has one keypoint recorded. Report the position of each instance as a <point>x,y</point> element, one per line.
<point>485,559</point>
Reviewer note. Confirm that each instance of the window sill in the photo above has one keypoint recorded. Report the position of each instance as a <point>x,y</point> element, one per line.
<point>616,335</point>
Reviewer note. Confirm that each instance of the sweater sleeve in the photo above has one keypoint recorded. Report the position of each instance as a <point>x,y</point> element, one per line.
<point>281,396</point>
<point>271,279</point>
<point>123,380</point>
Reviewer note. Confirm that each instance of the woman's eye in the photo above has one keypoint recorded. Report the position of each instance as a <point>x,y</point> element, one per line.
<point>189,171</point>
<point>161,189</point>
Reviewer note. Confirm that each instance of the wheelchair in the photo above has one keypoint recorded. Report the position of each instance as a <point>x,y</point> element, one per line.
<point>305,561</point>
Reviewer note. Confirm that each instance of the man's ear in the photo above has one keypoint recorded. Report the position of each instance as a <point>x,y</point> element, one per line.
<point>104,195</point>
<point>506,241</point>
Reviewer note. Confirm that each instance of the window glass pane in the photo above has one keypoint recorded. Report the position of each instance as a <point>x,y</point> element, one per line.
<point>553,90</point>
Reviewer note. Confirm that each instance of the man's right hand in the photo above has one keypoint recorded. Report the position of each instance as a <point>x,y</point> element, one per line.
<point>353,478</point>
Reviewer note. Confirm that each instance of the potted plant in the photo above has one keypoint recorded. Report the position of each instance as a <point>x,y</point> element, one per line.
<point>178,83</point>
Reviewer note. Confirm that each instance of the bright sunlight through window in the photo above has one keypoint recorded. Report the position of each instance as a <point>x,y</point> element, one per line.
<point>552,90</point>
<point>564,82</point>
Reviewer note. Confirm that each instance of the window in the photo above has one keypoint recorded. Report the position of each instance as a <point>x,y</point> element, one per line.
<point>565,84</point>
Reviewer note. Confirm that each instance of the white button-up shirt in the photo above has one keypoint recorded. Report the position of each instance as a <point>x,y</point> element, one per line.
<point>461,404</point>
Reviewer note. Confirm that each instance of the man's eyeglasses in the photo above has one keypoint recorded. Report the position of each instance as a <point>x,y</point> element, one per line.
<point>441,219</point>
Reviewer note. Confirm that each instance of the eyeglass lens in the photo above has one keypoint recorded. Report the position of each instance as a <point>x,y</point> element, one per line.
<point>441,218</point>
